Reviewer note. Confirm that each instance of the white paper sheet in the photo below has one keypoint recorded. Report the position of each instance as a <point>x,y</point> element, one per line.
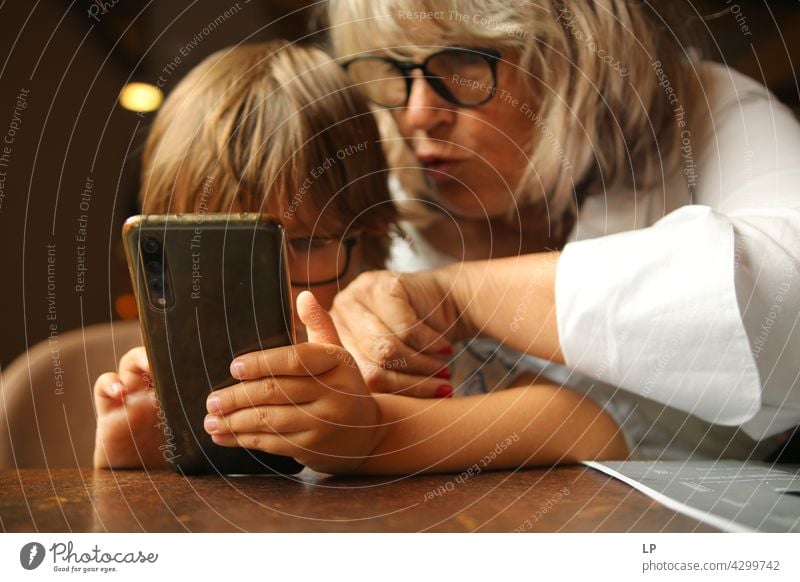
<point>730,495</point>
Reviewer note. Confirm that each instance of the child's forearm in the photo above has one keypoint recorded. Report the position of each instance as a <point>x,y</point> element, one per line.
<point>535,425</point>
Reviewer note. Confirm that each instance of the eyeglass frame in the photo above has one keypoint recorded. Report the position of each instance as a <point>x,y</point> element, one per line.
<point>348,243</point>
<point>490,55</point>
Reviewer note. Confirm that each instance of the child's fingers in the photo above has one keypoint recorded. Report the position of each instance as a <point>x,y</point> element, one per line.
<point>108,385</point>
<point>135,360</point>
<point>280,419</point>
<point>307,359</point>
<point>270,443</point>
<point>134,370</point>
<point>269,390</point>
<point>108,392</point>
<point>319,325</point>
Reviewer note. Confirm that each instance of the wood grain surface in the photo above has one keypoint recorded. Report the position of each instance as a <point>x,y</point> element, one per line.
<point>564,499</point>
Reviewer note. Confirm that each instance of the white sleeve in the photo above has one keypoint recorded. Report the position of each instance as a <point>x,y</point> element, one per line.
<point>700,310</point>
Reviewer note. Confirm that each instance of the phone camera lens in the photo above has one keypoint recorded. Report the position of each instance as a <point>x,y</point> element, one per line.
<point>150,245</point>
<point>153,267</point>
<point>156,284</point>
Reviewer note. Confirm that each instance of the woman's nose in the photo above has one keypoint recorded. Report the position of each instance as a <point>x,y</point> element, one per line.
<point>426,109</point>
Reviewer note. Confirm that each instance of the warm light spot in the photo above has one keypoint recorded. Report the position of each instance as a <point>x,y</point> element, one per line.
<point>142,97</point>
<point>125,305</point>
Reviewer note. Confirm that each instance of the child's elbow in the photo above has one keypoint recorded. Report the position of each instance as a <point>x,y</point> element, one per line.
<point>603,443</point>
<point>614,449</point>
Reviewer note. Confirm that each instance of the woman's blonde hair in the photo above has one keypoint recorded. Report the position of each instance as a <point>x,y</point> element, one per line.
<point>271,128</point>
<point>606,80</point>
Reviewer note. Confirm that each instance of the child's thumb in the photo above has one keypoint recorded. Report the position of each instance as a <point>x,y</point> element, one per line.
<point>318,322</point>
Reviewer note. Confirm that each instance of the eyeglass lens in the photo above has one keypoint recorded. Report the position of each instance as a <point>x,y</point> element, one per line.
<point>315,261</point>
<point>464,77</point>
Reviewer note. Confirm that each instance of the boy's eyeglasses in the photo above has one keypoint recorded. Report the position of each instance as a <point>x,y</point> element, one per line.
<point>464,76</point>
<point>319,260</point>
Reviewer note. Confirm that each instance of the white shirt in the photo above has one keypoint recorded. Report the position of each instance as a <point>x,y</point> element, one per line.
<point>690,299</point>
<point>695,303</point>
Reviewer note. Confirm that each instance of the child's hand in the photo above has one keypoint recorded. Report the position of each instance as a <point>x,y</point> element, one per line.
<point>306,401</point>
<point>127,416</point>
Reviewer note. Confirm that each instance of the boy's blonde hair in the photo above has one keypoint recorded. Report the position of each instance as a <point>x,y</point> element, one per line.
<point>271,128</point>
<point>605,79</point>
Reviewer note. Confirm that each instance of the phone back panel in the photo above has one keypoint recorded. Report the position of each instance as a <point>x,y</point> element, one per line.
<point>225,293</point>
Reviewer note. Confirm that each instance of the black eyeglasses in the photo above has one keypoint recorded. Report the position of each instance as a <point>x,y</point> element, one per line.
<point>319,260</point>
<point>464,76</point>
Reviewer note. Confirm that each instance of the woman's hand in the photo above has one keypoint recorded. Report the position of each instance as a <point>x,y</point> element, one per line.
<point>306,401</point>
<point>128,434</point>
<point>399,328</point>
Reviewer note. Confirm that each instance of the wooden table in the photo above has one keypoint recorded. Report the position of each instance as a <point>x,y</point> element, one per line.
<point>570,499</point>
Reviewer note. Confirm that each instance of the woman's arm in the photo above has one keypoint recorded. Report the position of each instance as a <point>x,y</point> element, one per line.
<point>528,426</point>
<point>511,300</point>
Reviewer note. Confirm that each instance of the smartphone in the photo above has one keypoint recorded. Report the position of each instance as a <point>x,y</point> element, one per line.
<point>209,287</point>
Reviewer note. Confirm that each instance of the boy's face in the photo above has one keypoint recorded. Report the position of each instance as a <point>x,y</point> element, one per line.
<point>318,263</point>
<point>322,265</point>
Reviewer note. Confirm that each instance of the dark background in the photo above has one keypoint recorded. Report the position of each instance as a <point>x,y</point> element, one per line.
<point>74,66</point>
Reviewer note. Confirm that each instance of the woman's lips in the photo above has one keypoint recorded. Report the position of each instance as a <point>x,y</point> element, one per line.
<point>438,169</point>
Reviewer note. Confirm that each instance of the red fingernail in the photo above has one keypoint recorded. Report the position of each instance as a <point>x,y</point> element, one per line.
<point>444,374</point>
<point>444,391</point>
<point>446,351</point>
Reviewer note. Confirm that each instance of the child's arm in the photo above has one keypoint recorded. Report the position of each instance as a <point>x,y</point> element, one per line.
<point>537,423</point>
<point>541,424</point>
<point>310,402</point>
